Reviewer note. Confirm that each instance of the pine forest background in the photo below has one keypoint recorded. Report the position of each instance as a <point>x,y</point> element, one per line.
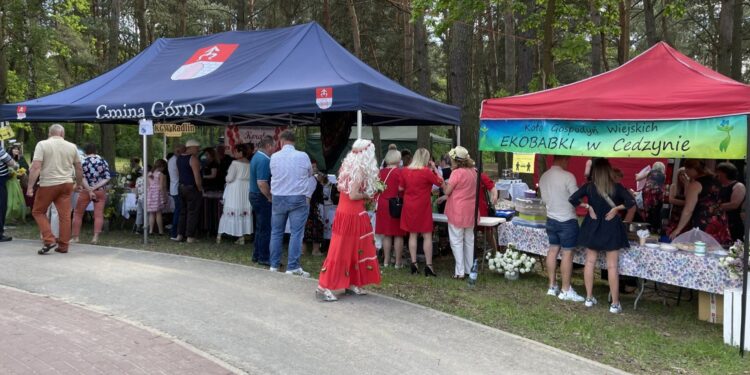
<point>456,51</point>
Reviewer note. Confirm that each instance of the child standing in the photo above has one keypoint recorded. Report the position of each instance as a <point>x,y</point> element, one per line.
<point>156,196</point>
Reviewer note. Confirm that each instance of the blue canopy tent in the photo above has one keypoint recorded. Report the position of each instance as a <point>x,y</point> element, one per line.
<point>282,76</point>
<point>287,76</point>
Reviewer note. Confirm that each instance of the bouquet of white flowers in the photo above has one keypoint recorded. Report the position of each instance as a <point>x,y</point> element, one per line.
<point>733,261</point>
<point>512,263</point>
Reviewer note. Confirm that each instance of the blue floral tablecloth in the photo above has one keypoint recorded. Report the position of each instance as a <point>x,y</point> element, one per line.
<point>677,268</point>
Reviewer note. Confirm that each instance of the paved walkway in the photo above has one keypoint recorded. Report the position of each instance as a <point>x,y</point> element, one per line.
<point>269,323</point>
<point>46,336</point>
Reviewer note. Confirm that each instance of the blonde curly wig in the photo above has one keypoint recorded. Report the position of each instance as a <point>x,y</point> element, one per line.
<point>359,170</point>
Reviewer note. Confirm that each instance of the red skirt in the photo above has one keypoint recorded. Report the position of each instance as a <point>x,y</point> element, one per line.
<point>385,224</point>
<point>352,259</point>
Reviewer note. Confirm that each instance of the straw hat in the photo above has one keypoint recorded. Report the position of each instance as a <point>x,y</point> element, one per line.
<point>459,153</point>
<point>192,143</point>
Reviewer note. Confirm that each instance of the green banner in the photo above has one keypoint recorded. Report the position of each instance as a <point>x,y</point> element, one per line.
<point>713,138</point>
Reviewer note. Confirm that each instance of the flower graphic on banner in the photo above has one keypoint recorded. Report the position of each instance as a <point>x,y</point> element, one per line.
<point>725,127</point>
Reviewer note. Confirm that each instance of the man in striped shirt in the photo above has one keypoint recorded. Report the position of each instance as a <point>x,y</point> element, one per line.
<point>6,162</point>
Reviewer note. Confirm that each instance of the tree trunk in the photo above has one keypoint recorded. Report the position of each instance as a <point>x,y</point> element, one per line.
<point>526,52</point>
<point>665,24</point>
<point>3,59</point>
<point>623,46</point>
<point>596,39</point>
<point>458,68</point>
<point>108,131</point>
<point>650,20</point>
<point>140,20</point>
<point>28,54</point>
<point>510,48</point>
<point>355,28</point>
<point>241,15</point>
<point>492,61</point>
<point>408,34</point>
<point>726,19</point>
<point>251,13</point>
<point>327,16</point>
<point>737,14</point>
<point>182,17</point>
<point>78,134</point>
<point>547,63</point>
<point>422,70</point>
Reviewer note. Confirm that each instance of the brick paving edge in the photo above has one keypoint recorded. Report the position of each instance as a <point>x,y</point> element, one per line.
<point>138,325</point>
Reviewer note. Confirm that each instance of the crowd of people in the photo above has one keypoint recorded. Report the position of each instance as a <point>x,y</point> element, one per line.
<point>703,198</point>
<point>271,192</point>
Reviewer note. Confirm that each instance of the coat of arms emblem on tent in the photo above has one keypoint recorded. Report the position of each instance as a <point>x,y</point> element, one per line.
<point>204,61</point>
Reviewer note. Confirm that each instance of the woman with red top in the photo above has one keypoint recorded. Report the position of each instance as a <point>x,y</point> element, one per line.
<point>386,225</point>
<point>416,215</point>
<point>352,261</point>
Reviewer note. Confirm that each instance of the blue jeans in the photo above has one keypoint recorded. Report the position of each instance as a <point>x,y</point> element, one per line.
<point>262,209</point>
<point>294,208</point>
<point>175,215</point>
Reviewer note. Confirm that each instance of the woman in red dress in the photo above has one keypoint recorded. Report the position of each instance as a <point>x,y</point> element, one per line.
<point>386,225</point>
<point>416,215</point>
<point>352,261</point>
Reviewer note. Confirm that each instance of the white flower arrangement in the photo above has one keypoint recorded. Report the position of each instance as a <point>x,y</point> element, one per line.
<point>733,261</point>
<point>511,262</point>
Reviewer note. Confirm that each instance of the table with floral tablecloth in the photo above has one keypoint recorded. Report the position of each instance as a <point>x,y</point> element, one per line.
<point>678,268</point>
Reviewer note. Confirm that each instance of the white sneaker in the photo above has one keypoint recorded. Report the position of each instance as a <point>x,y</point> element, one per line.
<point>553,291</point>
<point>570,295</point>
<point>615,309</point>
<point>590,302</point>
<point>273,269</point>
<point>298,272</point>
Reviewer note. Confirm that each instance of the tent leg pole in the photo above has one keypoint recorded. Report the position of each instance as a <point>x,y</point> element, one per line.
<point>743,315</point>
<point>458,135</point>
<point>476,204</point>
<point>359,124</point>
<point>145,189</point>
<point>164,148</point>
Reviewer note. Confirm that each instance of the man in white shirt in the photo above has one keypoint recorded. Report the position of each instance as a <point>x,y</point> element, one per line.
<point>292,186</point>
<point>556,186</point>
<point>57,166</point>
<point>174,187</point>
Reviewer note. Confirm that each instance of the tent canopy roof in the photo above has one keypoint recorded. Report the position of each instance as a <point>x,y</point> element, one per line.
<point>660,84</point>
<point>262,77</point>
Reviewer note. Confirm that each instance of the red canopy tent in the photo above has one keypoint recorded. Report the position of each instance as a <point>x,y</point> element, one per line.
<point>659,85</point>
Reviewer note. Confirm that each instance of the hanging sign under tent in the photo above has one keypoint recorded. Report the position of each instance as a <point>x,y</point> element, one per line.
<point>711,138</point>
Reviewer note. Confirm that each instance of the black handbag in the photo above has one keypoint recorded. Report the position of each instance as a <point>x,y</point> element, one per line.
<point>394,207</point>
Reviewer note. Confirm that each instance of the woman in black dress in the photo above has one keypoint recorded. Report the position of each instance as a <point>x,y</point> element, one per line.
<point>602,228</point>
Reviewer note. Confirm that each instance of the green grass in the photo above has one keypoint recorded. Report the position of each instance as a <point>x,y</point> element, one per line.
<point>655,339</point>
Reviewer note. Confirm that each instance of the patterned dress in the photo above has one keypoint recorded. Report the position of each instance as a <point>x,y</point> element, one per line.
<point>707,215</point>
<point>157,198</point>
<point>653,199</point>
<point>314,228</point>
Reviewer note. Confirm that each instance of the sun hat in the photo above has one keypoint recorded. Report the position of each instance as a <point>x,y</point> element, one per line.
<point>459,153</point>
<point>192,143</point>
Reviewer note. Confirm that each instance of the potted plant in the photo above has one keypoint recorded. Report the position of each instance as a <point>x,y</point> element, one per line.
<point>512,263</point>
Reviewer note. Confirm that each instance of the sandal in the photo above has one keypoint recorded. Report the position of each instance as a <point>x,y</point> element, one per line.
<point>46,248</point>
<point>355,290</point>
<point>325,295</point>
